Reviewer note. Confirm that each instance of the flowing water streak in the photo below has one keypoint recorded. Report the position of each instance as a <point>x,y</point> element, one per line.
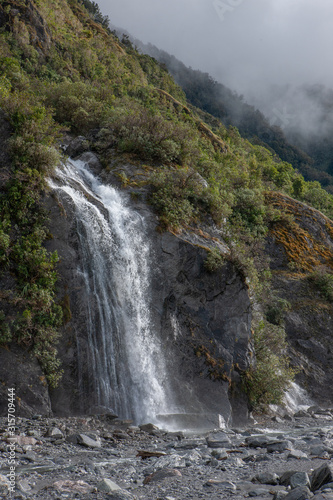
<point>296,398</point>
<point>125,358</point>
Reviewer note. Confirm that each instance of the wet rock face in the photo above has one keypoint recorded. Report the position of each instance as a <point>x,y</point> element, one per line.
<point>21,371</point>
<point>205,320</point>
<point>309,321</point>
<point>202,318</point>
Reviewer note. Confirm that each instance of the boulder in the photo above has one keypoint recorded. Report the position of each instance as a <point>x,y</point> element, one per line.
<point>4,486</point>
<point>266,478</point>
<point>162,474</point>
<point>218,440</point>
<point>299,479</point>
<point>298,454</point>
<point>54,432</point>
<point>72,486</point>
<point>279,446</point>
<point>260,441</point>
<point>301,493</point>
<point>84,440</point>
<point>321,476</point>
<point>107,486</point>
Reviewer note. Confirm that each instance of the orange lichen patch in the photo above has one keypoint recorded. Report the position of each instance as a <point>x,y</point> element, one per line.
<point>329,229</point>
<point>290,275</point>
<point>96,27</point>
<point>174,101</point>
<point>215,140</point>
<point>215,365</point>
<point>120,49</point>
<point>303,246</point>
<point>301,212</point>
<point>300,247</point>
<point>203,234</point>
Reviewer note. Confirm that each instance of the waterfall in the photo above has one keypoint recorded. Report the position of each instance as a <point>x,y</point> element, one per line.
<point>296,398</point>
<point>125,357</point>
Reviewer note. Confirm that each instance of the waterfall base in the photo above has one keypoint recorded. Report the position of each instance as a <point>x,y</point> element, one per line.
<point>191,421</point>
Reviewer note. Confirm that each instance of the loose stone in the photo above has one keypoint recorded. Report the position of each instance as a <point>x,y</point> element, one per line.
<point>301,493</point>
<point>321,476</point>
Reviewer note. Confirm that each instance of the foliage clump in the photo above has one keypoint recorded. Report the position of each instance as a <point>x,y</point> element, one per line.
<point>151,137</point>
<point>323,282</point>
<point>214,260</point>
<point>276,310</point>
<point>267,382</point>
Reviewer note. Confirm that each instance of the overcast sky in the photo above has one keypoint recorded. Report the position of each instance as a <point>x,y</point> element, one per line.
<point>243,43</point>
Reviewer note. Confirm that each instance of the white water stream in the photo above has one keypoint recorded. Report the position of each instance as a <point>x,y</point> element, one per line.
<point>126,359</point>
<point>296,398</point>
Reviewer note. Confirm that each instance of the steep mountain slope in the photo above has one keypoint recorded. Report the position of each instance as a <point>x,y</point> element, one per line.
<point>208,196</point>
<point>310,153</point>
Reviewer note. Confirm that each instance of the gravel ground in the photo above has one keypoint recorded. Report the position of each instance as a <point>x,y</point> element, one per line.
<point>103,458</point>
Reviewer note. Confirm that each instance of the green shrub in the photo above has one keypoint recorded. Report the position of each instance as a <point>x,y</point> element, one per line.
<point>267,382</point>
<point>5,330</point>
<point>79,105</point>
<point>23,233</point>
<point>34,154</point>
<point>151,137</point>
<point>175,196</point>
<point>250,209</point>
<point>323,282</point>
<point>276,309</point>
<point>214,260</point>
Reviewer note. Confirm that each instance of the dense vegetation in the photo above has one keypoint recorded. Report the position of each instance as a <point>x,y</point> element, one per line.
<point>310,153</point>
<point>63,70</point>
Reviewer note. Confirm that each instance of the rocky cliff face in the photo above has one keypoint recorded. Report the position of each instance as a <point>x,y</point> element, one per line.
<point>301,251</point>
<point>203,319</point>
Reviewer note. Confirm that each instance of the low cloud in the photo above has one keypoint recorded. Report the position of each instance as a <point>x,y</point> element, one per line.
<point>246,44</point>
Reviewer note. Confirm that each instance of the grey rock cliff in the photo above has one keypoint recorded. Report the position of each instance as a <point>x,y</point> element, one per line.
<point>307,249</point>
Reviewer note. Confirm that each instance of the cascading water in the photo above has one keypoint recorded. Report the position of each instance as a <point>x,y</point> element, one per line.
<point>296,398</point>
<point>125,358</point>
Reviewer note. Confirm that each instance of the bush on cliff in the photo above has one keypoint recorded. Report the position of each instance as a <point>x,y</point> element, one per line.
<point>266,383</point>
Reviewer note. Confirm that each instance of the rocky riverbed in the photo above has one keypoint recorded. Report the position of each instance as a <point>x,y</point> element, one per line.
<point>99,457</point>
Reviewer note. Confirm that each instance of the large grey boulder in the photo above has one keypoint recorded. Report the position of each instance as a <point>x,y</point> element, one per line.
<point>218,440</point>
<point>321,476</point>
<point>299,479</point>
<point>279,446</point>
<point>301,493</point>
<point>266,478</point>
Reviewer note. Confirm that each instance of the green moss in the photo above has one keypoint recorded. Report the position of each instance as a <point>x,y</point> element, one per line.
<point>66,309</point>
